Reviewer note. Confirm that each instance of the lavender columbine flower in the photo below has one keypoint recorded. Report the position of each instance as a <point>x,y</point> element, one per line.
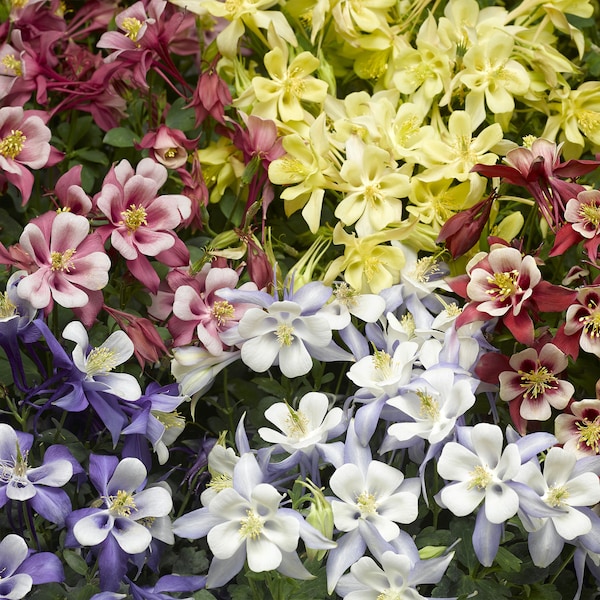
<point>35,485</point>
<point>20,569</point>
<point>246,522</point>
<point>123,521</point>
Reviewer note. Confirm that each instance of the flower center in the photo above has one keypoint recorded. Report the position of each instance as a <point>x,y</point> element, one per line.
<point>122,504</point>
<point>134,217</point>
<point>100,360</point>
<point>424,269</point>
<point>590,212</point>
<point>15,471</point>
<point>382,362</point>
<point>556,496</point>
<point>12,63</point>
<point>588,121</point>
<point>589,433</point>
<point>284,334</point>
<point>168,419</point>
<point>480,478</point>
<point>591,322</point>
<point>367,504</point>
<point>407,322</point>
<point>505,284</point>
<point>371,267</point>
<point>7,308</point>
<point>252,526</point>
<point>389,594</point>
<point>222,311</point>
<point>132,26</point>
<point>296,423</point>
<point>62,261</point>
<point>537,381</point>
<point>171,153</point>
<point>372,193</point>
<point>430,407</point>
<point>12,144</point>
<point>233,6</point>
<point>345,294</point>
<point>220,481</point>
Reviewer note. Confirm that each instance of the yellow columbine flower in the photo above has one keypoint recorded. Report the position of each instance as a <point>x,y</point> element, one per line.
<point>287,86</point>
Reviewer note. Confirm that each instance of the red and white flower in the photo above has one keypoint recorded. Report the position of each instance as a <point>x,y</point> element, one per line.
<point>579,432</point>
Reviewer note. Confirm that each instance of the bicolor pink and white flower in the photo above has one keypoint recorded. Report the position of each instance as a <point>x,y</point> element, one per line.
<point>141,222</point>
<point>72,264</point>
<point>24,145</point>
<point>533,383</point>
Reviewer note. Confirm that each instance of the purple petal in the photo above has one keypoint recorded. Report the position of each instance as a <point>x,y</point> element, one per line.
<point>486,539</point>
<point>44,567</point>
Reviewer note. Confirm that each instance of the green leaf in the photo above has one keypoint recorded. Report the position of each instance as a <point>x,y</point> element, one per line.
<point>543,591</point>
<point>76,562</point>
<point>93,156</point>
<point>120,137</point>
<point>179,117</point>
<point>508,561</point>
<point>203,595</point>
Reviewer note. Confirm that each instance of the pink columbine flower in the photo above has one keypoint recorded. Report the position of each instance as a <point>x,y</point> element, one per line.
<point>583,223</point>
<point>168,146</point>
<point>206,312</point>
<point>141,223</point>
<point>24,142</point>
<point>532,385</point>
<point>506,285</point>
<point>72,264</point>
<point>579,432</point>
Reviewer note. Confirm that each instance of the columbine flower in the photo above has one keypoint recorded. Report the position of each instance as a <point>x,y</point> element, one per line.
<point>533,383</point>
<point>141,222</point>
<point>564,485</point>
<point>97,363</point>
<point>21,568</point>
<point>505,284</point>
<point>305,428</point>
<point>35,485</point>
<point>433,401</point>
<point>73,266</point>
<point>246,522</point>
<point>168,146</point>
<point>582,324</point>
<point>120,522</point>
<point>579,432</point>
<point>24,143</point>
<point>397,578</point>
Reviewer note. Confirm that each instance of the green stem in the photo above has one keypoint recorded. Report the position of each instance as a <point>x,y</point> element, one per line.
<point>566,562</point>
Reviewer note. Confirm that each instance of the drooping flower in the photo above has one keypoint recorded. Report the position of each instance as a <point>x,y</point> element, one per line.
<point>168,146</point>
<point>72,264</point>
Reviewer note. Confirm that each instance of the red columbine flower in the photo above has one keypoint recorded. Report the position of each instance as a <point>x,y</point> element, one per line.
<point>579,432</point>
<point>583,223</point>
<point>540,171</point>
<point>582,326</point>
<point>532,385</point>
<point>24,142</point>
<point>506,285</point>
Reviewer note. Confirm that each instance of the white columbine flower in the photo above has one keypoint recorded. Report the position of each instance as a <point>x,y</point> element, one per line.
<point>377,496</point>
<point>479,474</point>
<point>302,429</point>
<point>563,486</point>
<point>97,363</point>
<point>433,401</point>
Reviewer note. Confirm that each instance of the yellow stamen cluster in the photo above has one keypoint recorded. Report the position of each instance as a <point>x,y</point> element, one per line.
<point>590,212</point>
<point>367,504</point>
<point>122,504</point>
<point>132,26</point>
<point>480,478</point>
<point>296,424</point>
<point>222,311</point>
<point>284,334</point>
<point>537,381</point>
<point>557,496</point>
<point>220,481</point>
<point>134,217</point>
<point>100,360</point>
<point>382,362</point>
<point>12,63</point>
<point>389,594</point>
<point>62,261</point>
<point>12,145</point>
<point>425,268</point>
<point>430,407</point>
<point>7,308</point>
<point>505,284</point>
<point>589,434</point>
<point>251,526</point>
<point>345,295</point>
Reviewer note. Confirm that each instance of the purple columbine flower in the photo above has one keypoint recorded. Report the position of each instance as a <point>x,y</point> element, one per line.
<point>20,568</point>
<point>38,486</point>
<point>124,520</point>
